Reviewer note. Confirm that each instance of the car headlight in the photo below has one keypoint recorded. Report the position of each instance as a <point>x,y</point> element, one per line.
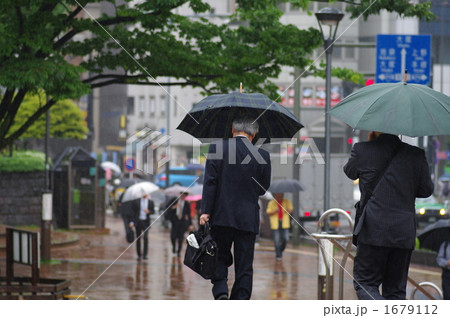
<point>422,211</point>
<point>442,212</point>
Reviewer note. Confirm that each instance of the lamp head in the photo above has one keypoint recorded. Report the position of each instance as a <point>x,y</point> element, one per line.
<point>329,17</point>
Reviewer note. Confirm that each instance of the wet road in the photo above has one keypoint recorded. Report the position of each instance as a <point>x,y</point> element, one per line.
<point>105,267</point>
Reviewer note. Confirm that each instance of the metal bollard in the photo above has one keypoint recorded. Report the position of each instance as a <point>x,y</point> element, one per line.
<point>46,225</point>
<point>326,256</point>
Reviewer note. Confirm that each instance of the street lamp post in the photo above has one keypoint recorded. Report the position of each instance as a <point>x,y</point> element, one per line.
<point>47,198</point>
<point>328,17</point>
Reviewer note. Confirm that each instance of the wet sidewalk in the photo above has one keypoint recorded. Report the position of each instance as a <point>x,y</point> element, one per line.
<point>104,266</point>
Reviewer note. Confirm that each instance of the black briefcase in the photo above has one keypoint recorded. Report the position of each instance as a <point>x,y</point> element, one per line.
<point>202,260</point>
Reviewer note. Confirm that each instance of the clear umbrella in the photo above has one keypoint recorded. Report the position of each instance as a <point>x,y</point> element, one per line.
<point>175,190</point>
<point>137,190</point>
<point>111,165</point>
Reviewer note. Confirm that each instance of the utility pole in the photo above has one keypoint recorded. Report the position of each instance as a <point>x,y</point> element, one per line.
<point>168,133</point>
<point>296,167</point>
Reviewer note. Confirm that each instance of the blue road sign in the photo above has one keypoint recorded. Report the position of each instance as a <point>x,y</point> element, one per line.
<point>130,164</point>
<point>395,53</point>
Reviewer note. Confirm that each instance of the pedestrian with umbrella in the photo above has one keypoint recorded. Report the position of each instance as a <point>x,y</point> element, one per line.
<point>280,210</point>
<point>140,221</point>
<point>213,116</point>
<point>230,203</point>
<point>392,174</point>
<point>236,174</point>
<point>436,237</point>
<point>179,214</point>
<point>136,208</point>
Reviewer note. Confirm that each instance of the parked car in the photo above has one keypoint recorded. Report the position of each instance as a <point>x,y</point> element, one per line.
<point>430,210</point>
<point>179,176</point>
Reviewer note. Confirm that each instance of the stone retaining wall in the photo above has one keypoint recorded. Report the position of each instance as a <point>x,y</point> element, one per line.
<point>20,197</point>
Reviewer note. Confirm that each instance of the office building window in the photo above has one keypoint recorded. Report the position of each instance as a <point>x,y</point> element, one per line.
<point>337,52</point>
<point>162,104</point>
<point>130,106</point>
<point>322,5</point>
<point>350,52</point>
<point>141,105</point>
<point>307,96</point>
<point>152,106</point>
<point>175,106</point>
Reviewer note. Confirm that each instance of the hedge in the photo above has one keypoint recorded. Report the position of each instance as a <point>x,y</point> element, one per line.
<point>22,161</point>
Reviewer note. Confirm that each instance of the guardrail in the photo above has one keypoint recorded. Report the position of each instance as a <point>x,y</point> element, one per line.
<point>325,283</point>
<point>325,290</point>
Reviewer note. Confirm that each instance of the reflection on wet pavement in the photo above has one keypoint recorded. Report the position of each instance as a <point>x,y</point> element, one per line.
<point>163,275</point>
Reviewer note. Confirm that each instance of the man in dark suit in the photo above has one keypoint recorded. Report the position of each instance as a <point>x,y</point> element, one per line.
<point>180,217</point>
<point>141,211</point>
<point>236,174</point>
<point>386,230</point>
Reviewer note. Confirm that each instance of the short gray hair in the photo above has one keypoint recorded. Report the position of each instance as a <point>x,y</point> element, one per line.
<point>246,124</point>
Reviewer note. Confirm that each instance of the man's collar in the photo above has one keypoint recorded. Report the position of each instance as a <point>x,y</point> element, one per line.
<point>386,135</point>
<point>241,136</point>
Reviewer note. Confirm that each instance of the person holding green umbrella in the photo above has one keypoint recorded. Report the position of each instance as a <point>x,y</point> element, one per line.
<point>391,175</point>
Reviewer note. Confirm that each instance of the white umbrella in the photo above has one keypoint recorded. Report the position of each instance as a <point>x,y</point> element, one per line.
<point>175,190</point>
<point>111,165</point>
<point>137,190</point>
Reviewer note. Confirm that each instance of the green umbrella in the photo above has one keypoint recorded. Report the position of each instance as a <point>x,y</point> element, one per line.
<point>397,108</point>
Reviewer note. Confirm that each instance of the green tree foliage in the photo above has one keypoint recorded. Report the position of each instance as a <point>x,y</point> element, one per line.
<point>66,119</point>
<point>142,44</point>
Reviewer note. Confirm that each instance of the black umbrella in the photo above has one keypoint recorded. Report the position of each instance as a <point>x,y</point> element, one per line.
<point>286,185</point>
<point>212,117</point>
<point>433,235</point>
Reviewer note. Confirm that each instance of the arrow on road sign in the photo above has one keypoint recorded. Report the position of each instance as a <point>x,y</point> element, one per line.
<point>403,53</point>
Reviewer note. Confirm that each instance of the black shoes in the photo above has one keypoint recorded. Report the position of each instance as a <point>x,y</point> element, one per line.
<point>222,297</point>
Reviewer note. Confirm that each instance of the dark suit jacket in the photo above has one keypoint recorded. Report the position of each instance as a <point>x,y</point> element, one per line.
<point>136,209</point>
<point>234,179</point>
<point>389,216</point>
<point>185,220</point>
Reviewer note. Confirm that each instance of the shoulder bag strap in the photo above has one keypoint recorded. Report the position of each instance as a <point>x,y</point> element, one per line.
<point>379,175</point>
